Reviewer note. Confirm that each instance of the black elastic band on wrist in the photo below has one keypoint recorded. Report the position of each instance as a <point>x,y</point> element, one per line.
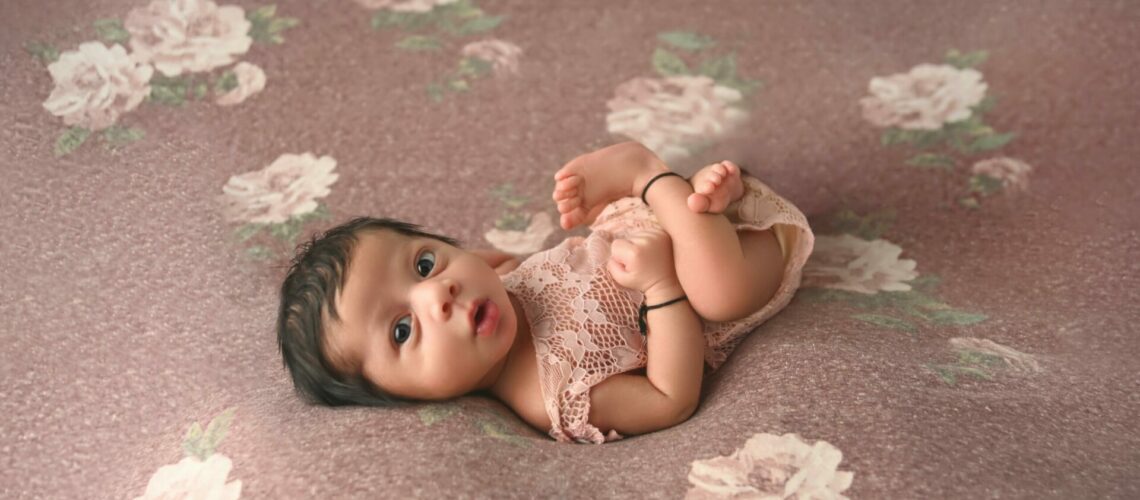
<point>643,311</point>
<point>654,179</point>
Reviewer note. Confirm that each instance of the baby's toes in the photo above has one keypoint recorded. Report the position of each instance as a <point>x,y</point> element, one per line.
<point>730,168</point>
<point>569,204</point>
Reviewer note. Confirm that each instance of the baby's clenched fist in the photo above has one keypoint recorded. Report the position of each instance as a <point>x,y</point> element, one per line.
<point>644,262</point>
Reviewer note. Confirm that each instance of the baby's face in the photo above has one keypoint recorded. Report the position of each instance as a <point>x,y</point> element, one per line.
<point>420,318</point>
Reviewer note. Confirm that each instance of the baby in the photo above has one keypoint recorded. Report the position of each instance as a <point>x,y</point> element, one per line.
<point>600,337</point>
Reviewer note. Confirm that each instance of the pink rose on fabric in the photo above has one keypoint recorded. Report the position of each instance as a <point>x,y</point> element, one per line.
<point>772,467</point>
<point>522,242</point>
<point>926,98</point>
<point>404,5</point>
<point>288,187</point>
<point>504,56</point>
<point>670,115</point>
<point>849,263</point>
<point>251,80</point>
<point>193,478</point>
<point>188,36</point>
<point>1013,173</point>
<point>96,84</point>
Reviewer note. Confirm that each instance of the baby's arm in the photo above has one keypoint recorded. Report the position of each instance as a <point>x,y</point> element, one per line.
<point>670,391</point>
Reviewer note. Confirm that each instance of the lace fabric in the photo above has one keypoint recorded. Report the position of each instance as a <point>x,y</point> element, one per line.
<point>584,324</point>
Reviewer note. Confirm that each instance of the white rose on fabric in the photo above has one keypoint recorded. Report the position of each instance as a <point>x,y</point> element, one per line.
<point>188,36</point>
<point>669,115</point>
<point>96,84</point>
<point>926,98</point>
<point>846,262</point>
<point>504,56</point>
<point>251,80</point>
<point>403,6</point>
<point>772,467</point>
<point>193,478</point>
<point>1013,173</point>
<point>288,187</point>
<point>522,242</point>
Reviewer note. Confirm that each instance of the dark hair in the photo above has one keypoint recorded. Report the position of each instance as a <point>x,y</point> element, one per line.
<point>317,272</point>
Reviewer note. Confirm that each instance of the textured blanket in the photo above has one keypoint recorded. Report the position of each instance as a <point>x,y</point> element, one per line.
<point>966,328</point>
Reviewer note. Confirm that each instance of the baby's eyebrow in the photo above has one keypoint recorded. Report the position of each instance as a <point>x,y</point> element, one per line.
<point>383,313</point>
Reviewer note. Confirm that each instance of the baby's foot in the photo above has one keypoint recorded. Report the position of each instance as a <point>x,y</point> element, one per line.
<point>587,183</point>
<point>716,186</point>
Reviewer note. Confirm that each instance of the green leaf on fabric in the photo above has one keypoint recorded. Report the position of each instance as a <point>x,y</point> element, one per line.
<point>436,413</point>
<point>970,357</point>
<point>200,90</point>
<point>967,60</point>
<point>510,221</point>
<point>944,373</point>
<point>247,231</point>
<point>932,160</point>
<point>887,321</point>
<point>404,20</point>
<point>869,227</point>
<point>418,43</point>
<point>112,31</point>
<point>985,184</point>
<point>668,64</point>
<point>462,9</point>
<point>169,90</point>
<point>687,40</point>
<point>969,202</point>
<point>258,253</point>
<point>71,139</point>
<point>721,69</point>
<point>988,142</point>
<point>265,27</point>
<point>216,431</point>
<point>974,372</point>
<point>985,106</point>
<point>226,82</point>
<point>42,51</point>
<point>117,136</point>
<point>458,85</point>
<point>957,318</point>
<point>474,66</point>
<point>191,443</point>
<point>499,431</point>
<point>479,25</point>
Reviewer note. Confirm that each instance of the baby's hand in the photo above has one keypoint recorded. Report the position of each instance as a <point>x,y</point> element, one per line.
<point>644,262</point>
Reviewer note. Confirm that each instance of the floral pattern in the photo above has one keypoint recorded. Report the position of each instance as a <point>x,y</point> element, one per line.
<point>940,109</point>
<point>169,39</point>
<point>772,467</point>
<point>96,84</point>
<point>683,110</point>
<point>202,473</point>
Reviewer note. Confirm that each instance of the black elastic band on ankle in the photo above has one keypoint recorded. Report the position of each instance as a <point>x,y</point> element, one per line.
<point>654,179</point>
<point>643,311</point>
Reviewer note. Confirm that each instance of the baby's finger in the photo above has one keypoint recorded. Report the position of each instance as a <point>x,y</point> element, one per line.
<point>622,250</point>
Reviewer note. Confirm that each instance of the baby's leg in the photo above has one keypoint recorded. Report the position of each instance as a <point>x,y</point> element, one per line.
<point>726,275</point>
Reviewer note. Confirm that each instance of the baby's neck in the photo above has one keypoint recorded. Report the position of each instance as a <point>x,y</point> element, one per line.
<point>514,366</point>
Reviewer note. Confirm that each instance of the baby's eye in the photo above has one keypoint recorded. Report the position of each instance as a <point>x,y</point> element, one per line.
<point>425,263</point>
<point>403,330</point>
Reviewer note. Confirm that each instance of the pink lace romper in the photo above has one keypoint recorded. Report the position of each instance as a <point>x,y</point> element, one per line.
<point>585,325</point>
